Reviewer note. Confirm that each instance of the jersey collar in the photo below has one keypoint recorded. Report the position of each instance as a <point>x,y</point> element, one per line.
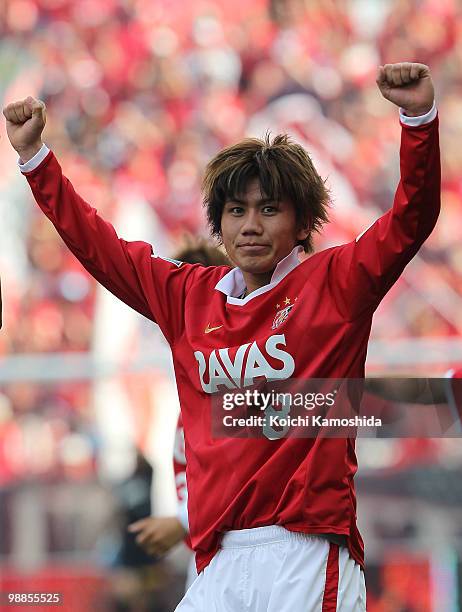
<point>232,284</point>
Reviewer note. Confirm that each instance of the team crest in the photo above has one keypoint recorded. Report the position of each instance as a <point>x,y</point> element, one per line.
<point>281,316</point>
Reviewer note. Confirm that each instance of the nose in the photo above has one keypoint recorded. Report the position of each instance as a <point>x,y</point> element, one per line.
<point>251,223</point>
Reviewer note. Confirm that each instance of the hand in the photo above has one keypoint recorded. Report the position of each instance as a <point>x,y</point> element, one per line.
<point>408,85</point>
<point>157,535</point>
<point>25,121</point>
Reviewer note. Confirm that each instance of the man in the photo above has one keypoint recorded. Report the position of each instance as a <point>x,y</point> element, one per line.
<point>272,522</point>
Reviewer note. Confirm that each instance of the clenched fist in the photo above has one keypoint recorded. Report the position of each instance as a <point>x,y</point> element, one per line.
<point>408,85</point>
<point>25,121</point>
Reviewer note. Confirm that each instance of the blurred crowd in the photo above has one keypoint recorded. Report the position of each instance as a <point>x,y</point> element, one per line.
<point>141,94</point>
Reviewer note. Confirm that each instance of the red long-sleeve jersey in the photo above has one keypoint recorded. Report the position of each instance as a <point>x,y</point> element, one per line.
<point>305,485</point>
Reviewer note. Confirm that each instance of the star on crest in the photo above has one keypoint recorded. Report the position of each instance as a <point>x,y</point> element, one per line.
<point>287,301</point>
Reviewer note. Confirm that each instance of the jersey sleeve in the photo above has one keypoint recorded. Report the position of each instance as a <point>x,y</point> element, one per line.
<point>363,270</point>
<point>152,286</point>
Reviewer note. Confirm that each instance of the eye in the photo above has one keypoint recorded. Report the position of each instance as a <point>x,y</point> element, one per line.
<point>235,210</point>
<point>269,209</point>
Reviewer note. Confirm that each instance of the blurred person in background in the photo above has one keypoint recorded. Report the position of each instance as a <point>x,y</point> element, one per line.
<point>130,577</point>
<point>264,225</point>
<point>157,535</point>
<point>134,496</point>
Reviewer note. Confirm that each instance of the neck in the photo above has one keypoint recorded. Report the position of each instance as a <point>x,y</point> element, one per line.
<point>255,281</point>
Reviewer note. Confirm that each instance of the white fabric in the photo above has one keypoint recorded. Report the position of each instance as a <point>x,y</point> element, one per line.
<point>35,161</point>
<point>421,119</point>
<point>233,285</point>
<point>182,511</point>
<point>270,569</point>
<point>452,403</point>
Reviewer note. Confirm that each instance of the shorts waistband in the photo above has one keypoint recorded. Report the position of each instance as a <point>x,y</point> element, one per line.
<point>238,538</point>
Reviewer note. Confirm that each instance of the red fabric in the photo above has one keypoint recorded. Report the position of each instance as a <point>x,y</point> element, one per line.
<point>329,601</point>
<point>305,485</point>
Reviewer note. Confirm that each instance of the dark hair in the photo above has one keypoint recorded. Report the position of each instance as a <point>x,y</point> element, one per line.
<point>197,250</point>
<point>284,169</point>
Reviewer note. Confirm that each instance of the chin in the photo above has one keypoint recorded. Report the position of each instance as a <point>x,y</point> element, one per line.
<point>255,265</point>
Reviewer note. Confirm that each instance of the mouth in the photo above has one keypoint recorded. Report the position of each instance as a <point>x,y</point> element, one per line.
<point>253,249</point>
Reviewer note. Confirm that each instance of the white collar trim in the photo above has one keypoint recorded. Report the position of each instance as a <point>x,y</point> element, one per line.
<point>232,284</point>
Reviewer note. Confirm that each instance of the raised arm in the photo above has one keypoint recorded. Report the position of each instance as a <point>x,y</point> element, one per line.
<point>152,286</point>
<point>366,268</point>
<point>408,390</point>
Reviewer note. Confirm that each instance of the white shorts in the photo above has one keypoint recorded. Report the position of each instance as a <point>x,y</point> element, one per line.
<point>271,569</point>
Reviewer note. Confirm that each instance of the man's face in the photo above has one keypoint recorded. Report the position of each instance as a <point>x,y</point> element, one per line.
<point>258,232</point>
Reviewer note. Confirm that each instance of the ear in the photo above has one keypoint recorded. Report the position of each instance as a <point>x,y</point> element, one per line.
<point>303,233</point>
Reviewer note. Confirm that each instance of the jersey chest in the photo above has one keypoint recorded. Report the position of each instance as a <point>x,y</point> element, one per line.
<point>267,338</point>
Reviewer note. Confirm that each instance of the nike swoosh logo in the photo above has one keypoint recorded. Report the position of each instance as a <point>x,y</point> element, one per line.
<point>209,329</point>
